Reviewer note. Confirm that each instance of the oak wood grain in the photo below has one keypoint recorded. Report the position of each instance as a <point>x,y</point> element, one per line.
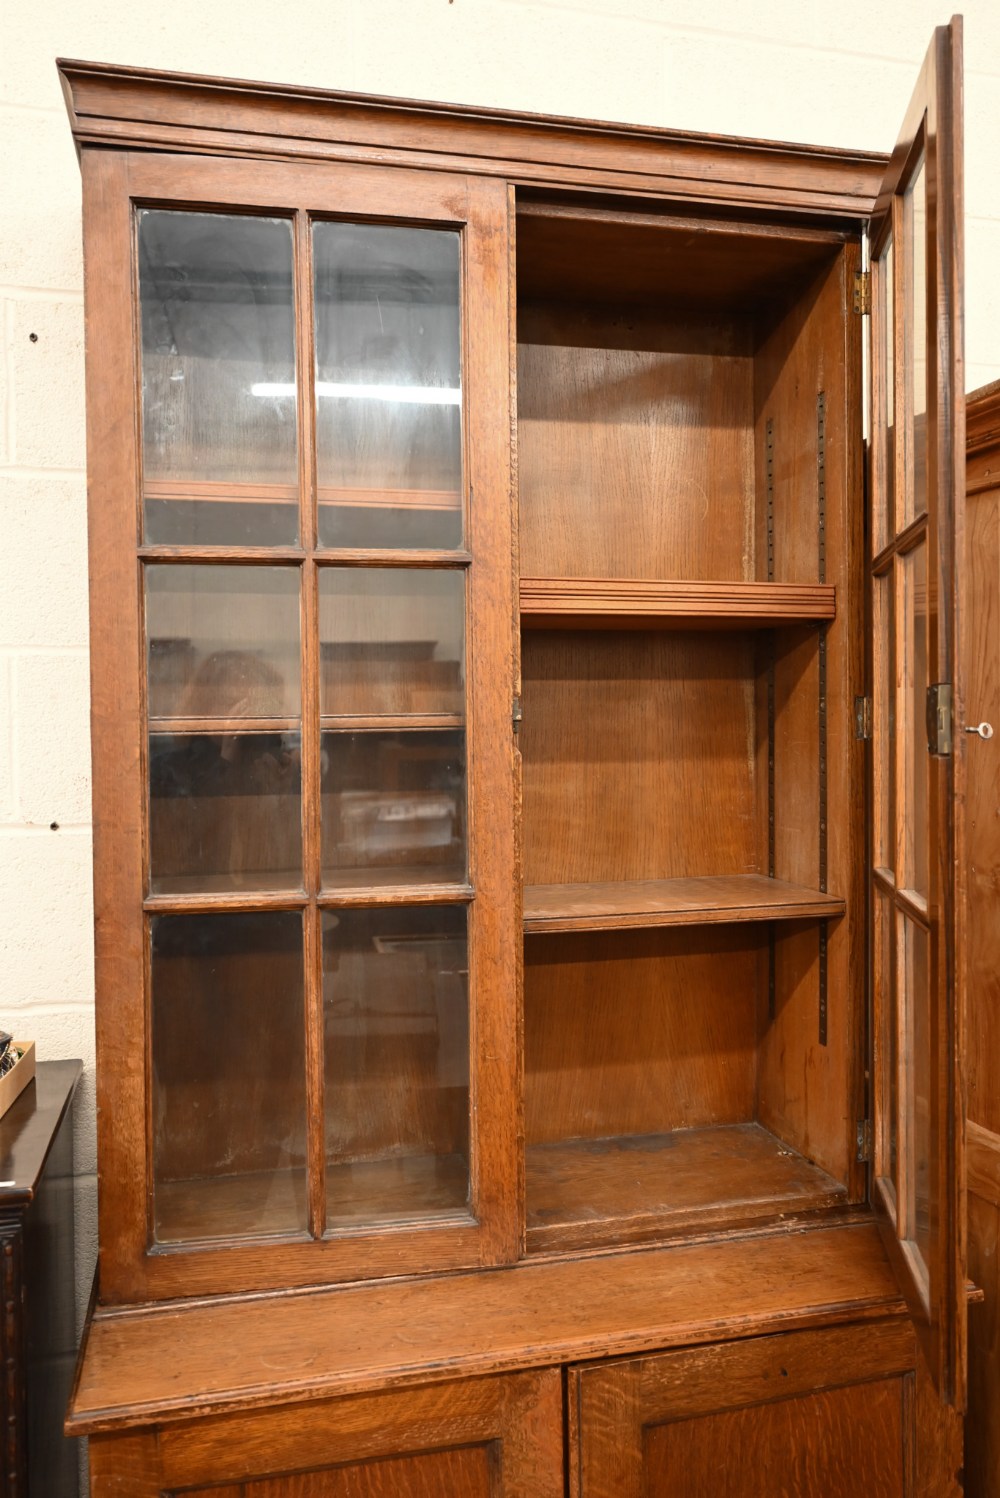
<point>786,1415</point>
<point>241,1354</point>
<point>637,603</point>
<point>114,105</point>
<point>582,1192</point>
<point>671,902</point>
<point>636,756</point>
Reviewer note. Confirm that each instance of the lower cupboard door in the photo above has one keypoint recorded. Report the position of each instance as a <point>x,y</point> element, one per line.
<point>482,1438</point>
<point>847,1412</point>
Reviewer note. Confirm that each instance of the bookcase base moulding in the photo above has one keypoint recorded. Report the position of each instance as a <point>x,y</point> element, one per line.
<point>529,945</point>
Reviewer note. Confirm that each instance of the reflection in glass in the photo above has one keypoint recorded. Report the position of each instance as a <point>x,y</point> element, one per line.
<point>228,1076</point>
<point>915,218</point>
<point>886,984</point>
<point>913,712</point>
<point>391,640</point>
<point>393,808</point>
<point>224,812</point>
<point>223,641</point>
<point>916,977</point>
<point>218,378</point>
<point>396,1014</point>
<point>884,721</point>
<point>388,385</point>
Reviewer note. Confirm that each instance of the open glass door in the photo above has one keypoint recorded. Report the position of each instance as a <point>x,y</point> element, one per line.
<point>918,751</point>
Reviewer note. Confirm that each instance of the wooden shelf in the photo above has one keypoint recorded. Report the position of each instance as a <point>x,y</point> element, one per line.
<point>262,1204</point>
<point>587,1192</point>
<point>204,492</point>
<point>672,902</point>
<point>638,603</point>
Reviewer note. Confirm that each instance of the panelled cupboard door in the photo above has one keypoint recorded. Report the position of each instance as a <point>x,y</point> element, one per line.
<point>832,1412</point>
<point>919,738</point>
<point>303,756</point>
<point>482,1438</point>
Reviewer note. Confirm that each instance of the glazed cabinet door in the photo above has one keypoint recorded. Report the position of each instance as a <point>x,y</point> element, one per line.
<point>302,630</point>
<point>919,740</point>
<point>483,1438</point>
<point>837,1412</point>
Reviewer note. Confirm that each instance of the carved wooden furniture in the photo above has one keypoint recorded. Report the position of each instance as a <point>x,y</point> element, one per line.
<point>36,1252</point>
<point>497,675</point>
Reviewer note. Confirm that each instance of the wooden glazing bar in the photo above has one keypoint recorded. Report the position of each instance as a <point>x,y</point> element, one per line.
<point>909,537</point>
<point>561,603</point>
<point>672,902</point>
<point>914,905</point>
<point>204,492</point>
<point>311,766</point>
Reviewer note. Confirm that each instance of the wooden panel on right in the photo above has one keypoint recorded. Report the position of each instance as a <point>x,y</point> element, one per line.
<point>982,1438</point>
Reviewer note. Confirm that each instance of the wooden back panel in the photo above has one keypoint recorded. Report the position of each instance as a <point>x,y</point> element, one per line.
<point>637,756</point>
<point>638,1032</point>
<point>635,446</point>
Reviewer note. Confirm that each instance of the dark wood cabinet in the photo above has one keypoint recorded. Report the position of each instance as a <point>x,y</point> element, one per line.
<point>529,775</point>
<point>38,1327</point>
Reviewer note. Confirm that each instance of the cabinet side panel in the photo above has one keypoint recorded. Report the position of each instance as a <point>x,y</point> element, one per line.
<point>982,1425</point>
<point>808,406</point>
<point>982,519</point>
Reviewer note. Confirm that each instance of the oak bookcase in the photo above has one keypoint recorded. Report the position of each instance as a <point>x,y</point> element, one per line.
<point>529,919</point>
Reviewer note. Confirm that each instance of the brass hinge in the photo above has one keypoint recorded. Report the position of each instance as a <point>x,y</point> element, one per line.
<point>862,292</point>
<point>516,714</point>
<point>864,1139</point>
<point>939,718</point>
<point>862,717</point>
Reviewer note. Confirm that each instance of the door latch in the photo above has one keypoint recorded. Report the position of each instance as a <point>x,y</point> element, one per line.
<point>939,718</point>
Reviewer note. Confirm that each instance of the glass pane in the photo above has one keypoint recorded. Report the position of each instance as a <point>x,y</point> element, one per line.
<point>883,518</point>
<point>223,642</point>
<point>228,1076</point>
<point>393,808</point>
<point>913,829</point>
<point>388,385</point>
<point>396,1010</point>
<point>224,812</point>
<point>916,1001</point>
<point>218,379</point>
<point>915,219</point>
<point>888,1057</point>
<point>884,721</point>
<point>391,641</point>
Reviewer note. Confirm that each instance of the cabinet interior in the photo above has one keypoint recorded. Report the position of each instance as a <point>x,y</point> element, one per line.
<point>686,591</point>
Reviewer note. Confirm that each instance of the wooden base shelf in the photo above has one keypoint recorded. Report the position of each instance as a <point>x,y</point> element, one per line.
<point>262,1204</point>
<point>640,903</point>
<point>584,1193</point>
<point>135,1370</point>
<point>638,603</point>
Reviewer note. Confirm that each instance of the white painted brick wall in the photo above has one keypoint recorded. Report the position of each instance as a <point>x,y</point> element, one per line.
<point>787,69</point>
